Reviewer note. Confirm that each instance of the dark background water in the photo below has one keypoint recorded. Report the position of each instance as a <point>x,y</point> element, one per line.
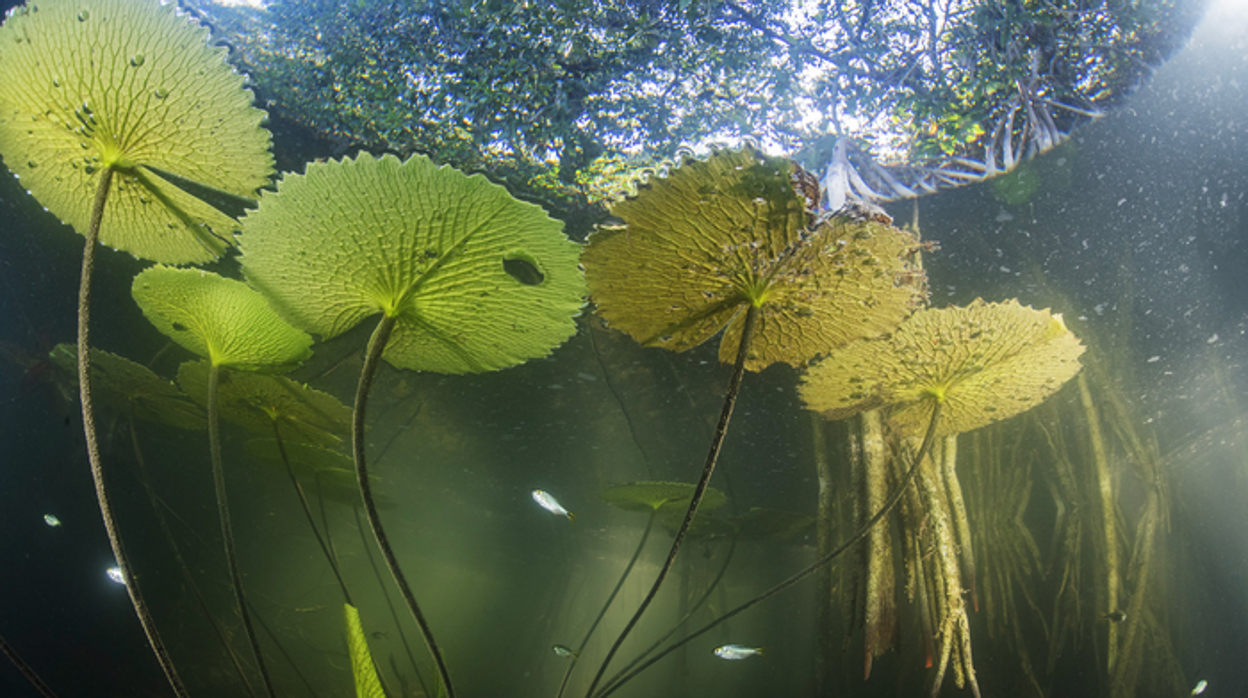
<point>1138,231</point>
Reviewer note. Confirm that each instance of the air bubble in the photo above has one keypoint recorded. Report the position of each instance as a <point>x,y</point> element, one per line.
<point>161,93</point>
<point>137,60</point>
<point>84,16</point>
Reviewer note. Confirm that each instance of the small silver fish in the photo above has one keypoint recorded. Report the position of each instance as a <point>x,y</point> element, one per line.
<point>51,520</point>
<point>549,503</point>
<point>734,652</point>
<point>564,651</point>
<point>1200,687</point>
<point>114,573</point>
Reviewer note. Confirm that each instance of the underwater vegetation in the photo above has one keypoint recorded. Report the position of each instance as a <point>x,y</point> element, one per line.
<point>129,126</point>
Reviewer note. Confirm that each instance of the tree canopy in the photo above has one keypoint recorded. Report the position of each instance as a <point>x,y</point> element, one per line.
<point>904,96</point>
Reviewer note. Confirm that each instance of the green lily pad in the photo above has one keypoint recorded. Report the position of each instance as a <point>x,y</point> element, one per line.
<point>985,362</point>
<point>650,496</point>
<point>220,319</point>
<point>477,280</point>
<point>133,86</point>
<point>132,388</point>
<point>257,401</point>
<point>720,234</point>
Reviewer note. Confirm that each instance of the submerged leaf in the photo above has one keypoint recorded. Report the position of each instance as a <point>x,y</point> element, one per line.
<point>221,319</point>
<point>718,235</point>
<point>477,280</point>
<point>985,362</point>
<point>132,85</point>
<point>367,683</point>
<point>256,402</point>
<point>132,388</point>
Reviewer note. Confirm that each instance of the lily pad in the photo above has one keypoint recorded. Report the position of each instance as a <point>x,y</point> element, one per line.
<point>650,496</point>
<point>477,280</point>
<point>257,401</point>
<point>220,319</point>
<point>720,234</point>
<point>132,388</point>
<point>134,86</point>
<point>985,362</point>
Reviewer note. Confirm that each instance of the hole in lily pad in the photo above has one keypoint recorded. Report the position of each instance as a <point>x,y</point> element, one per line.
<point>523,268</point>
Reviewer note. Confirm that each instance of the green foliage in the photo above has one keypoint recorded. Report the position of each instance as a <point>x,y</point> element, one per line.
<point>133,86</point>
<point>515,88</point>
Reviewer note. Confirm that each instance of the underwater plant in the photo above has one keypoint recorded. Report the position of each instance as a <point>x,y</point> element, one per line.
<point>125,103</point>
<point>728,243</point>
<point>980,364</point>
<point>230,324</point>
<point>646,497</point>
<point>466,279</point>
<point>951,359</point>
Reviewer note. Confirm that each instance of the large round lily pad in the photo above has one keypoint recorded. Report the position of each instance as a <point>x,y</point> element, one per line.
<point>220,319</point>
<point>476,279</point>
<point>717,235</point>
<point>985,362</point>
<point>257,402</point>
<point>135,86</point>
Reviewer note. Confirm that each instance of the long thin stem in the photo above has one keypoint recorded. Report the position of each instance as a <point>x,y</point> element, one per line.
<point>26,670</point>
<point>307,511</point>
<point>721,429</point>
<point>860,534</point>
<point>227,530</point>
<point>385,594</point>
<point>376,344</point>
<point>163,521</point>
<point>706,594</point>
<point>93,444</point>
<point>563,685</point>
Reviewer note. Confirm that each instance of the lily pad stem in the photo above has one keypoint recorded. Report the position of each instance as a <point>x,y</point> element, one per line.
<point>227,530</point>
<point>641,544</point>
<point>860,534</point>
<point>307,511</point>
<point>721,429</point>
<point>93,444</point>
<point>377,344</point>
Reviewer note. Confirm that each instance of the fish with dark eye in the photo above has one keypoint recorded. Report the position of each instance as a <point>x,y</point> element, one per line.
<point>564,651</point>
<point>546,501</point>
<point>737,652</point>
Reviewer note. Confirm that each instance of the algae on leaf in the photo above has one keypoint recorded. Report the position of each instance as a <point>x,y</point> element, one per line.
<point>131,86</point>
<point>475,279</point>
